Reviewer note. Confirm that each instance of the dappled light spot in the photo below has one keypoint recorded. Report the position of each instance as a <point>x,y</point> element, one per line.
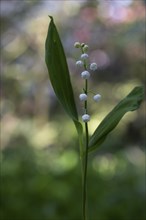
<point>12,49</point>
<point>101,57</point>
<point>44,136</point>
<point>108,165</point>
<point>65,162</point>
<point>136,156</point>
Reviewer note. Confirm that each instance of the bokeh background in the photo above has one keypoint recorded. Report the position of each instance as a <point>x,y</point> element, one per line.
<point>40,165</point>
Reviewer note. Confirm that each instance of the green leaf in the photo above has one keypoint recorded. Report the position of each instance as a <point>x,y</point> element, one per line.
<point>58,71</point>
<point>130,103</point>
<point>60,78</point>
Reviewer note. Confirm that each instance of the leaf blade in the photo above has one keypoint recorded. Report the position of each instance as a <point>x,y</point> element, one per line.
<point>60,78</point>
<point>130,103</point>
<point>58,71</point>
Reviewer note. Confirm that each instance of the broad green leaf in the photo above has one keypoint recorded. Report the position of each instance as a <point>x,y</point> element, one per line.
<point>58,71</point>
<point>130,103</point>
<point>59,76</point>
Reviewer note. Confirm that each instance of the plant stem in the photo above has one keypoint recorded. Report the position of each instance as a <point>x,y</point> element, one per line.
<point>85,161</point>
<point>85,175</point>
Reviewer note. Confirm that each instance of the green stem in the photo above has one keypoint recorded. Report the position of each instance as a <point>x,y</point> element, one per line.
<point>85,175</point>
<point>86,88</point>
<point>85,160</point>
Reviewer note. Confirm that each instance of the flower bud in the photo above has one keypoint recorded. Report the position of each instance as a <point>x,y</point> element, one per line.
<point>93,66</point>
<point>85,48</point>
<point>85,74</point>
<point>77,45</point>
<point>86,118</point>
<point>79,63</point>
<point>84,56</point>
<point>82,44</point>
<point>97,97</point>
<point>83,97</point>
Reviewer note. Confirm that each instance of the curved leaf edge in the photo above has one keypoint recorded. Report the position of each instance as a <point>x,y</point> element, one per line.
<point>135,97</point>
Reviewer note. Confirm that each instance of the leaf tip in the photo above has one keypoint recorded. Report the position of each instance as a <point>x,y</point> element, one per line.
<point>50,17</point>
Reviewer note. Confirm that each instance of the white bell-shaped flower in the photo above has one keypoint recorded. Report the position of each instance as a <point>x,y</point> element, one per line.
<point>97,97</point>
<point>84,56</point>
<point>86,118</point>
<point>79,63</point>
<point>85,74</point>
<point>93,66</point>
<point>83,97</point>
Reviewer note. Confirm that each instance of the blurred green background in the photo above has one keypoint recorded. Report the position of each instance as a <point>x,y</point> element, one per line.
<point>40,166</point>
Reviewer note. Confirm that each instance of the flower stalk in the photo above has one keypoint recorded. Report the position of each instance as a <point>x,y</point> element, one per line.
<point>85,159</point>
<point>86,75</point>
<point>85,117</point>
<point>85,173</point>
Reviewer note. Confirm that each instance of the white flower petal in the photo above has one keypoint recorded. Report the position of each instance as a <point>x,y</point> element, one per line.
<point>83,97</point>
<point>84,56</point>
<point>85,74</point>
<point>93,66</point>
<point>97,97</point>
<point>79,63</point>
<point>86,118</point>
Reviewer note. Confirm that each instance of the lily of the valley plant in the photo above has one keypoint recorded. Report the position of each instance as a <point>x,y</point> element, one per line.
<point>61,83</point>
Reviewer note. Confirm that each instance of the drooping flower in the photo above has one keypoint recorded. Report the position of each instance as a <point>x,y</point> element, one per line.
<point>83,97</point>
<point>97,97</point>
<point>79,63</point>
<point>86,118</point>
<point>82,44</point>
<point>85,74</point>
<point>84,56</point>
<point>93,66</point>
<point>85,48</point>
<point>77,45</point>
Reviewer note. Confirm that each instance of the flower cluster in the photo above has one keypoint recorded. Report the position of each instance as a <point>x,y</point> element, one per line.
<point>85,74</point>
